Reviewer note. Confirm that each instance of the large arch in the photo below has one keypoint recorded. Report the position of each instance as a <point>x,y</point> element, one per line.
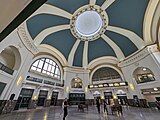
<point>11,57</point>
<point>106,65</point>
<point>143,75</point>
<point>148,21</point>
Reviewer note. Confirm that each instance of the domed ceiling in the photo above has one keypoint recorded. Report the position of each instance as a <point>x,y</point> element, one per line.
<point>83,30</point>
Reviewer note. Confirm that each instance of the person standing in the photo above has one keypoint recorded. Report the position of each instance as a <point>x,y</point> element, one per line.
<point>65,105</point>
<point>98,105</point>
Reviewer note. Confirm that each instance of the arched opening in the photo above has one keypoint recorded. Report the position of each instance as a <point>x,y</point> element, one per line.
<point>47,67</point>
<point>10,59</point>
<point>143,75</point>
<point>106,73</point>
<point>76,83</point>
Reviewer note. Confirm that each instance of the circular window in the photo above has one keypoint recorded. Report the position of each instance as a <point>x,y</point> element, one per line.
<point>88,23</point>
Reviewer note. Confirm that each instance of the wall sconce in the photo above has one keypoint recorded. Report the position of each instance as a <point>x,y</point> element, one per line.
<point>67,89</point>
<point>131,86</point>
<point>49,97</point>
<point>35,97</point>
<point>86,89</point>
<point>102,97</point>
<point>19,80</point>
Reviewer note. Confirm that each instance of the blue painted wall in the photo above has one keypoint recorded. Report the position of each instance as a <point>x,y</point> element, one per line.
<point>79,55</point>
<point>68,5</point>
<point>63,41</point>
<point>99,48</point>
<point>40,22</point>
<point>128,14</point>
<point>124,43</point>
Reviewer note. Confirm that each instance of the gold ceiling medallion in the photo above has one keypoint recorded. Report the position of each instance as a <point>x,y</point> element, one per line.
<point>89,22</point>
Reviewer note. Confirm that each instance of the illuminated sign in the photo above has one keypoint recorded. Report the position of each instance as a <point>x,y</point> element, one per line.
<point>102,85</point>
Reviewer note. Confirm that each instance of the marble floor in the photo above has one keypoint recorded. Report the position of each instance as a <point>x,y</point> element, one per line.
<point>53,113</point>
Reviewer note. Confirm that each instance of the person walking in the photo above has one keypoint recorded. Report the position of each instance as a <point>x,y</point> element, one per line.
<point>98,105</point>
<point>105,106</point>
<point>65,110</point>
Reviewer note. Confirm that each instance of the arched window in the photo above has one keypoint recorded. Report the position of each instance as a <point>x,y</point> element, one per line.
<point>143,75</point>
<point>46,66</point>
<point>76,83</point>
<point>105,73</point>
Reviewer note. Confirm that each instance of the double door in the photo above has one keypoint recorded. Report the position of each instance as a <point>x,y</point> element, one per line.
<point>24,98</point>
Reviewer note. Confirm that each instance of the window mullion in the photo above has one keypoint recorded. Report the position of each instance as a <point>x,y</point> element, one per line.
<point>43,64</point>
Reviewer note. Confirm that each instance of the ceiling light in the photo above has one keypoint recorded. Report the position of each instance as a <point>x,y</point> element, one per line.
<point>144,69</point>
<point>155,89</point>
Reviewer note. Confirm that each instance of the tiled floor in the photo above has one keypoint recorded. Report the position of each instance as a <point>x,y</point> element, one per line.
<point>53,113</point>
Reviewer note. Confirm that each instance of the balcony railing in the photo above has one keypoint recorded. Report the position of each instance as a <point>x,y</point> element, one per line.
<point>6,69</point>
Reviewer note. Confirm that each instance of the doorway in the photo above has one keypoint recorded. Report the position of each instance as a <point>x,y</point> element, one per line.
<point>123,100</point>
<point>54,98</point>
<point>42,98</point>
<point>24,98</point>
<point>108,96</point>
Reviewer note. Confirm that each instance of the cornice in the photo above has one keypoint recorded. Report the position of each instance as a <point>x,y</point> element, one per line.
<point>139,56</point>
<point>26,39</point>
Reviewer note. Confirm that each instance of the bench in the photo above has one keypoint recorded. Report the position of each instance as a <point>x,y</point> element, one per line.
<point>82,106</point>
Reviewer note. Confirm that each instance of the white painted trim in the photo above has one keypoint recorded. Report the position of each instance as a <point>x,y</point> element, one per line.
<point>92,2</point>
<point>72,52</point>
<point>116,49</point>
<point>85,55</point>
<point>106,65</point>
<point>155,24</point>
<point>148,21</point>
<point>41,36</point>
<point>107,3</point>
<point>53,51</point>
<point>139,43</point>
<point>49,9</point>
<point>159,35</point>
<point>103,60</point>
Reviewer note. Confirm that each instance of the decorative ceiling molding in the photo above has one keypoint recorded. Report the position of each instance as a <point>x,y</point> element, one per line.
<point>72,53</point>
<point>80,11</point>
<point>76,70</point>
<point>139,55</point>
<point>148,19</point>
<point>155,24</point>
<point>56,53</point>
<point>26,38</point>
<point>159,36</point>
<point>85,55</point>
<point>107,3</point>
<point>116,49</point>
<point>49,9</point>
<point>103,60</point>
<point>139,43</point>
<point>43,34</point>
<point>92,2</point>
